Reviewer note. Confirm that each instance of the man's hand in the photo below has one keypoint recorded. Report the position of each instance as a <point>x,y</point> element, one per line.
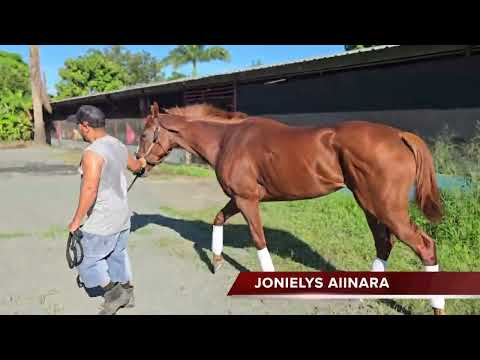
<point>74,225</point>
<point>140,173</point>
<point>136,166</point>
<point>143,164</point>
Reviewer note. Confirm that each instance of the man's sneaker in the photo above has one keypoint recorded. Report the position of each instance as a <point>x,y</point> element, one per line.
<point>131,303</point>
<point>115,298</point>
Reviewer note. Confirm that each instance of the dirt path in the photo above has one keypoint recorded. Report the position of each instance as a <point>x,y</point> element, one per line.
<point>171,273</point>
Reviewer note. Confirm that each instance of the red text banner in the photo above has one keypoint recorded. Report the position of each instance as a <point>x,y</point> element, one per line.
<point>358,284</point>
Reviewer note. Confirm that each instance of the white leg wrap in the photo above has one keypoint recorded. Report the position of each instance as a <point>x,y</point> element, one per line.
<point>265,260</point>
<point>437,301</point>
<point>432,268</point>
<point>379,265</point>
<point>217,239</point>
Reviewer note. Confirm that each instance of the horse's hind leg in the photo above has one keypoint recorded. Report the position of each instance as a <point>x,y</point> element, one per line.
<point>383,242</point>
<point>392,211</point>
<point>217,233</point>
<point>422,244</point>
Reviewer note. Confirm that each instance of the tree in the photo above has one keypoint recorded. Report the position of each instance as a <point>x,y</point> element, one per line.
<point>39,95</point>
<point>141,67</point>
<point>185,54</point>
<point>175,75</point>
<point>15,98</point>
<point>15,118</point>
<point>14,73</point>
<point>355,47</point>
<point>194,54</point>
<point>90,74</point>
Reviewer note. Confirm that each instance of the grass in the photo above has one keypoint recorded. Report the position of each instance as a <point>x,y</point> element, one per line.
<point>11,235</point>
<point>331,233</point>
<point>55,232</point>
<point>192,170</point>
<point>52,233</point>
<point>457,158</point>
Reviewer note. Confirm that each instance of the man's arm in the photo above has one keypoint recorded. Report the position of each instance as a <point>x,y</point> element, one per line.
<point>135,165</point>
<point>92,170</point>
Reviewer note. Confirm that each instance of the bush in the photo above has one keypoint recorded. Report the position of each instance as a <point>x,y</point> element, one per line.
<point>457,159</point>
<point>14,73</point>
<point>458,234</point>
<point>15,123</point>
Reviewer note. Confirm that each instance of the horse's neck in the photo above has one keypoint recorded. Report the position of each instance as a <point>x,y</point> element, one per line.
<point>204,139</point>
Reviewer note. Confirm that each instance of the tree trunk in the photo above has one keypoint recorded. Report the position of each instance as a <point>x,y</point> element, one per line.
<point>194,71</point>
<point>39,134</point>
<point>44,95</point>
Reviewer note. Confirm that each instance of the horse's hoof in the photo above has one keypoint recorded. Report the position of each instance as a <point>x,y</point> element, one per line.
<point>217,263</point>
<point>438,311</point>
<point>217,267</point>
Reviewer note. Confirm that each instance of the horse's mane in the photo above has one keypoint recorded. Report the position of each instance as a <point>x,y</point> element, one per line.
<point>207,112</point>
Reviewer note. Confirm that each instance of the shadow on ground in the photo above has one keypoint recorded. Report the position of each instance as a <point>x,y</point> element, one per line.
<point>280,243</point>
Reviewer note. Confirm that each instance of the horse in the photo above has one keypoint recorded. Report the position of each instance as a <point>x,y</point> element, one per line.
<point>259,159</point>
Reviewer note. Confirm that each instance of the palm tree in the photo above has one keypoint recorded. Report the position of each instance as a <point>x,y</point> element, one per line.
<point>176,75</point>
<point>185,54</point>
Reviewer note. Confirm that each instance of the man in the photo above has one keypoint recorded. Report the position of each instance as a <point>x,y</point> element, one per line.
<point>103,198</point>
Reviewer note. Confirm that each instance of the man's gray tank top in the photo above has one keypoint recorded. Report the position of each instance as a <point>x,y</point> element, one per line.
<point>110,213</point>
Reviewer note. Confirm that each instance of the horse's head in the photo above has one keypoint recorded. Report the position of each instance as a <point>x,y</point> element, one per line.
<point>158,137</point>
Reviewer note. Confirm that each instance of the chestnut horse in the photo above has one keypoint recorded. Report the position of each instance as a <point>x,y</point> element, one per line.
<point>258,159</point>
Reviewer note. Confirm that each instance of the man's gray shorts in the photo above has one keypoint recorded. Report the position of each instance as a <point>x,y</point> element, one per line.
<point>105,259</point>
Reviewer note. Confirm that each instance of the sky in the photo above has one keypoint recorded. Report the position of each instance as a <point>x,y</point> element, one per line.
<point>52,57</point>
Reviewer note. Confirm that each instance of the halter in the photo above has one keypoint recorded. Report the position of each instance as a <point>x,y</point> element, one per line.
<point>154,142</point>
<point>155,138</point>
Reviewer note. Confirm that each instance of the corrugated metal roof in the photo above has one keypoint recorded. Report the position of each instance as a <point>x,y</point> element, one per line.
<point>315,58</point>
<point>243,70</point>
<point>408,54</point>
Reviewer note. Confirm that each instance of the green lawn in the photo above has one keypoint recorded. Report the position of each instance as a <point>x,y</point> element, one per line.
<point>193,170</point>
<point>11,235</point>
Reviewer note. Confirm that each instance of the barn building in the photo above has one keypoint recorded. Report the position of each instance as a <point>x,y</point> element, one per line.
<point>419,88</point>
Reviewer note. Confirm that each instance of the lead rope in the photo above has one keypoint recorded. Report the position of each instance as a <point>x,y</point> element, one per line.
<point>133,182</point>
<point>155,138</point>
<point>73,243</point>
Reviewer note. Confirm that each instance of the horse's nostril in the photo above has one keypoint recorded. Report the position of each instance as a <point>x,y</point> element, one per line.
<point>137,156</point>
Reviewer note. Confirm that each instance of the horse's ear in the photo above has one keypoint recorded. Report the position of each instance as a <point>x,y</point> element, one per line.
<point>154,109</point>
<point>172,122</point>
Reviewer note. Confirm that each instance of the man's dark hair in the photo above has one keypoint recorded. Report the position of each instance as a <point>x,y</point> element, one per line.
<point>89,114</point>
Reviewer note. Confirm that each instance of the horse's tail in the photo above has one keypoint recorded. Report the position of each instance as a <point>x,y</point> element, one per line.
<point>427,193</point>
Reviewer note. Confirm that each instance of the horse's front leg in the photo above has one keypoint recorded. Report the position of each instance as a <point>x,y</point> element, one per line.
<point>217,233</point>
<point>251,211</point>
